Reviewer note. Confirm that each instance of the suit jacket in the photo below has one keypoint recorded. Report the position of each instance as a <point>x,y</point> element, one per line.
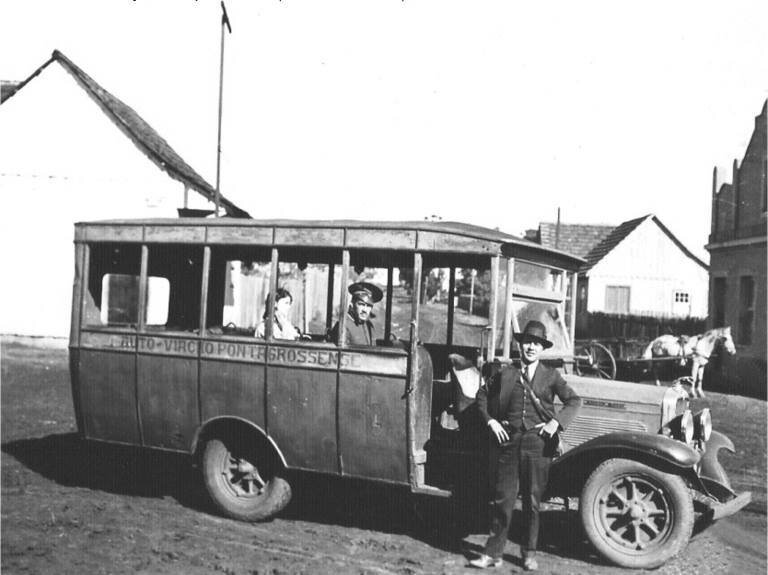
<point>494,400</point>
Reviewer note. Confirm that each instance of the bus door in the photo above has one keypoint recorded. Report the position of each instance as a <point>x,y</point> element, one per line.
<point>167,347</point>
<point>106,358</point>
<point>302,373</point>
<point>373,436</point>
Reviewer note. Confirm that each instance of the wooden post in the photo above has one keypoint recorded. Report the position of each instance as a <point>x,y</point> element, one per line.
<point>343,311</point>
<point>493,305</point>
<point>274,272</point>
<point>143,288</point>
<point>305,285</point>
<point>713,226</point>
<point>574,307</point>
<point>204,290</point>
<point>472,290</point>
<point>388,311</point>
<point>736,196</point>
<point>451,305</point>
<point>416,302</point>
<point>509,308</point>
<point>329,299</point>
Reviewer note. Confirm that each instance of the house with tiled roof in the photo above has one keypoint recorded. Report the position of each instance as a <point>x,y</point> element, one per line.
<point>638,267</point>
<point>73,151</point>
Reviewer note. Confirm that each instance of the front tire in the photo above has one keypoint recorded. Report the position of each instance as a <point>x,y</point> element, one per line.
<point>634,515</point>
<point>242,481</point>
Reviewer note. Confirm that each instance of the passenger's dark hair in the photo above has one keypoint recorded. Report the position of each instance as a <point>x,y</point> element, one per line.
<point>280,293</point>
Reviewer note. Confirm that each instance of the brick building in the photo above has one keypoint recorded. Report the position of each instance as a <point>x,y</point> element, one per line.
<point>737,247</point>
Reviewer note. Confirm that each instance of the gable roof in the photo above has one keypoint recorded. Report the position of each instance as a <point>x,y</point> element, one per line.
<point>594,242</point>
<point>577,239</point>
<point>140,133</point>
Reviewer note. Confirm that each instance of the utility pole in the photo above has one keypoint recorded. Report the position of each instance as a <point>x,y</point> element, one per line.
<point>224,22</point>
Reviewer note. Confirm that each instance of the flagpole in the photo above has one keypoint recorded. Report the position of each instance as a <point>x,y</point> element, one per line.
<point>224,21</point>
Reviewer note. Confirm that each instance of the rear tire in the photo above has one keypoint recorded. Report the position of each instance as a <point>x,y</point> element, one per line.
<point>242,481</point>
<point>634,515</point>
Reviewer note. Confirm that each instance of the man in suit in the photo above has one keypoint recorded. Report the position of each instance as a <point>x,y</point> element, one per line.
<point>525,430</point>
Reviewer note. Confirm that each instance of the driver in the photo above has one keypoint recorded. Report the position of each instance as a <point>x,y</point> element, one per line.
<point>359,328</point>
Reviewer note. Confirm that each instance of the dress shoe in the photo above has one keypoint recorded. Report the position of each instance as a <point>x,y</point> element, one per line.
<point>530,564</point>
<point>485,561</point>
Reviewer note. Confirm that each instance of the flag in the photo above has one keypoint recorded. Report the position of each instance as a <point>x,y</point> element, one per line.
<point>224,17</point>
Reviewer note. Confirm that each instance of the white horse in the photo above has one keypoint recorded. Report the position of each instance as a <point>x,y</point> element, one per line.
<point>698,348</point>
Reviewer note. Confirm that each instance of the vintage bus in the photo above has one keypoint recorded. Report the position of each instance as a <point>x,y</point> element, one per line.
<point>164,354</point>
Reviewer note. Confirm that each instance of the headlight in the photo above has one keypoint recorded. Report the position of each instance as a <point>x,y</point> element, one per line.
<point>702,425</point>
<point>686,426</point>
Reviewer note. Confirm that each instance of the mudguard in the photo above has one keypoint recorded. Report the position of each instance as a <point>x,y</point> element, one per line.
<point>710,466</point>
<point>209,424</point>
<point>643,445</point>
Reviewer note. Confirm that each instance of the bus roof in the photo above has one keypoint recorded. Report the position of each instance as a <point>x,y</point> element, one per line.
<point>424,236</point>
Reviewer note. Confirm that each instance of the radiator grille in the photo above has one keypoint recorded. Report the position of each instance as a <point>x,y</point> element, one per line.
<point>586,427</point>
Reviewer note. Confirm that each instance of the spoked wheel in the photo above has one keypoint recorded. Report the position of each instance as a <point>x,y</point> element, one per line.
<point>596,361</point>
<point>243,483</point>
<point>634,515</point>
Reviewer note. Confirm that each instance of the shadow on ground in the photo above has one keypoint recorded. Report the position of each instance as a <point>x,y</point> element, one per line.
<point>67,460</point>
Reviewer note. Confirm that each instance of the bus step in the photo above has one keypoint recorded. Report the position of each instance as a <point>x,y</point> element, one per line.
<point>431,490</point>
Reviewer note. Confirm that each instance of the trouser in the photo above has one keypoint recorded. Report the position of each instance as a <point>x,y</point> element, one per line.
<point>521,466</point>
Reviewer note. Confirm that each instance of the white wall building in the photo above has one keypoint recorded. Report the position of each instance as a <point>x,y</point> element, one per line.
<point>70,151</point>
<point>637,268</point>
<point>647,272</point>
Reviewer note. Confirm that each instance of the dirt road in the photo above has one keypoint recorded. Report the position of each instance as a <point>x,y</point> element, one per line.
<point>69,507</point>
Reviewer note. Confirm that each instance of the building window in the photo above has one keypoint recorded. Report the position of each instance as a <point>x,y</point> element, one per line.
<point>719,290</point>
<point>617,299</point>
<point>746,309</point>
<point>682,297</point>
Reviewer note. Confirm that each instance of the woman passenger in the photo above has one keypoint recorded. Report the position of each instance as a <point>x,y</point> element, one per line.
<point>282,328</point>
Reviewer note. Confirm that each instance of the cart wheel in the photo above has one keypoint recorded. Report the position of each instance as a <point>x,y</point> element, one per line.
<point>596,361</point>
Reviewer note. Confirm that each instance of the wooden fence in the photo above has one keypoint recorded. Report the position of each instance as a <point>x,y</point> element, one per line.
<point>597,325</point>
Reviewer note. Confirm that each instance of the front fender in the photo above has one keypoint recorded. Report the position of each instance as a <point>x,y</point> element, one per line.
<point>710,466</point>
<point>645,445</point>
<point>570,471</point>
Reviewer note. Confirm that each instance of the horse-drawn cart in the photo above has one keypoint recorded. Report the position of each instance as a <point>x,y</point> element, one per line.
<point>636,359</point>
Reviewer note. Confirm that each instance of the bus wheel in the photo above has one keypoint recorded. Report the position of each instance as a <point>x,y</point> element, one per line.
<point>634,515</point>
<point>242,483</point>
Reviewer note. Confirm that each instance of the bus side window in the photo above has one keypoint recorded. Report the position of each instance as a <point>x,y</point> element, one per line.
<point>237,289</point>
<point>112,296</point>
<point>173,288</point>
<point>308,284</point>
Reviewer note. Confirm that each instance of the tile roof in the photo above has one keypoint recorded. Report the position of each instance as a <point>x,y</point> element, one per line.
<point>577,239</point>
<point>594,242</point>
<point>141,133</point>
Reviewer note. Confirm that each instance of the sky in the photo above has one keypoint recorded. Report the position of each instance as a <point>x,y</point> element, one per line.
<point>494,113</point>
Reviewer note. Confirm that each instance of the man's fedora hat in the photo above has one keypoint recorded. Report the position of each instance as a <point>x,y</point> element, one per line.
<point>365,292</point>
<point>534,331</point>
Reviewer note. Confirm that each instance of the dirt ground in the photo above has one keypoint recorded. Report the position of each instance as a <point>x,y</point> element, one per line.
<point>69,507</point>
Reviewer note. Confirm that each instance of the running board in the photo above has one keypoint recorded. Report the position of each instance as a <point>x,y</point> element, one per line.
<point>430,490</point>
